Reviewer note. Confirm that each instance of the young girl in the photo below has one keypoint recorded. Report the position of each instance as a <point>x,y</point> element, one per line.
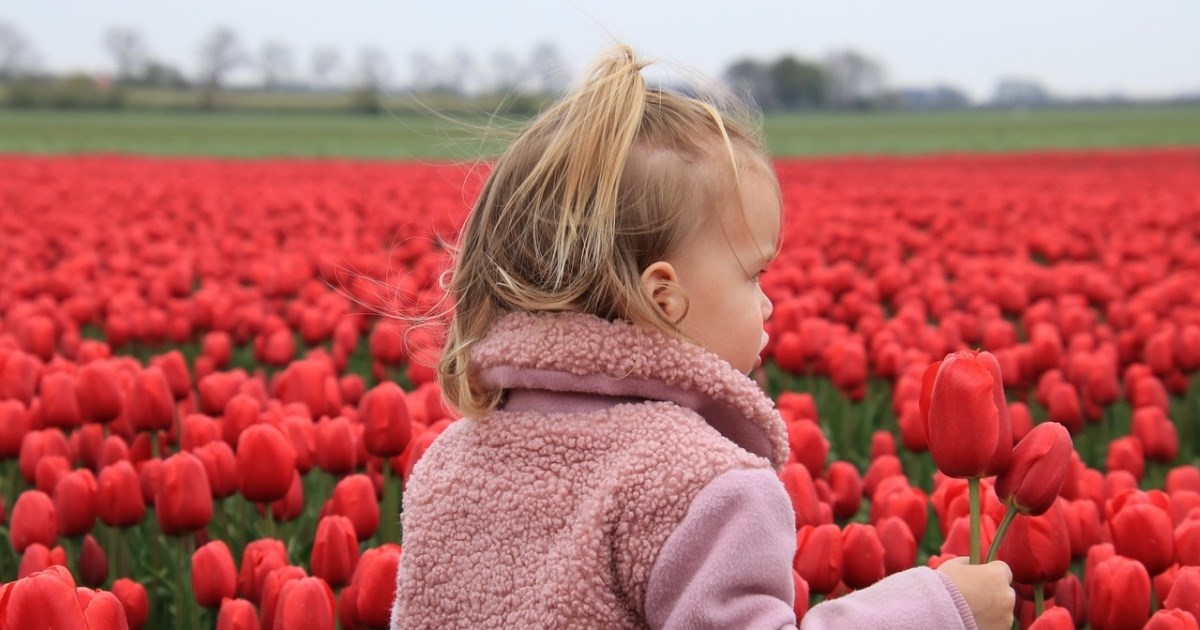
<point>616,467</point>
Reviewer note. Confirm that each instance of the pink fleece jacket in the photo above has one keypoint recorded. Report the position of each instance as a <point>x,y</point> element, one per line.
<point>628,481</point>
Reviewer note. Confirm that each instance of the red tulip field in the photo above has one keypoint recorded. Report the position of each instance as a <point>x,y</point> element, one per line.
<point>206,422</point>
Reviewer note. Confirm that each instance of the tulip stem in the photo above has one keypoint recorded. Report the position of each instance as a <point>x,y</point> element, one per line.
<point>1000,531</point>
<point>1153,598</point>
<point>973,488</point>
<point>1039,599</point>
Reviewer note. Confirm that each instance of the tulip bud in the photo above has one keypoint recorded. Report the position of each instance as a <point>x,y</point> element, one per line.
<point>119,501</point>
<point>306,603</point>
<point>966,415</point>
<point>354,498</point>
<point>33,521</point>
<point>1119,596</point>
<point>272,586</point>
<point>335,550</point>
<point>132,596</point>
<point>258,560</point>
<point>45,599</point>
<point>237,614</point>
<point>1185,593</point>
<point>1140,523</point>
<point>374,584</point>
<point>1176,619</point>
<point>213,575</point>
<point>183,499</point>
<point>1037,548</point>
<point>75,502</point>
<point>93,562</point>
<point>818,557</point>
<point>862,556</point>
<point>265,463</point>
<point>1039,465</point>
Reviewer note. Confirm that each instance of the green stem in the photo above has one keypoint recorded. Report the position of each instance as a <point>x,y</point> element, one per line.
<point>1000,531</point>
<point>973,487</point>
<point>390,512</point>
<point>1153,598</point>
<point>1039,599</point>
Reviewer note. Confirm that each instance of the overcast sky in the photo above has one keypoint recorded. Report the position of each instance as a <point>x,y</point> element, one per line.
<point>1074,47</point>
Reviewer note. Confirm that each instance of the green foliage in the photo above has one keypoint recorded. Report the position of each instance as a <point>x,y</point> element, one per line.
<point>76,91</point>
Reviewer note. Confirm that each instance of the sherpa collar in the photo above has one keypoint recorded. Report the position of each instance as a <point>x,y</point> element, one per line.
<point>580,353</point>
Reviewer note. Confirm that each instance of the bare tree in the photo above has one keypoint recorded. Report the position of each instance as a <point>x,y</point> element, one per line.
<point>852,79</point>
<point>220,53</point>
<point>462,71</point>
<point>549,67</point>
<point>425,72</point>
<point>276,64</point>
<point>374,70</point>
<point>507,73</point>
<point>324,61</point>
<point>17,56</point>
<point>128,51</point>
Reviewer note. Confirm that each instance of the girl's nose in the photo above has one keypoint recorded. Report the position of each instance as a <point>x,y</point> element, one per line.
<point>767,307</point>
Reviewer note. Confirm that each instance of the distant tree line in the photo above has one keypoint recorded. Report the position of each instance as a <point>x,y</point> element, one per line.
<point>504,81</point>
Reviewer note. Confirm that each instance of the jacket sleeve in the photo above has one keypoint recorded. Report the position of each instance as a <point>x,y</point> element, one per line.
<point>729,562</point>
<point>915,599</point>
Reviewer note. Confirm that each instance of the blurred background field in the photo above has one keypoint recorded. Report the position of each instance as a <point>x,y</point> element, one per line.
<point>404,132</point>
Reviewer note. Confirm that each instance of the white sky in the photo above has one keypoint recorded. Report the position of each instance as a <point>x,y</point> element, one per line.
<point>1074,47</point>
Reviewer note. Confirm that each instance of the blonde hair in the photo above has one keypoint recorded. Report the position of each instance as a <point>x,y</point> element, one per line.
<point>607,181</point>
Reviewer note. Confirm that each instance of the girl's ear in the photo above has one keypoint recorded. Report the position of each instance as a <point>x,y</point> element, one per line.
<point>661,285</point>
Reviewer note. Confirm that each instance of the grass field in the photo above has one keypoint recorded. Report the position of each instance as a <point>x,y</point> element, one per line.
<point>421,136</point>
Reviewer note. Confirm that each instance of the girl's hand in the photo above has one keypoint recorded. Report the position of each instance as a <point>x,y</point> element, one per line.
<point>987,589</point>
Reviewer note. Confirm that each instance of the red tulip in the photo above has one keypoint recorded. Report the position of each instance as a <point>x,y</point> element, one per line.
<point>882,443</point>
<point>1185,593</point>
<point>105,612</point>
<point>220,466</point>
<point>38,557</point>
<point>75,502</point>
<point>132,596</point>
<point>258,560</point>
<point>311,382</point>
<point>1126,454</point>
<point>45,599</point>
<point>819,557</point>
<point>93,562</point>
<point>1039,465</point>
<point>1084,527</point>
<point>14,425</point>
<point>291,506</point>
<point>1119,596</point>
<point>59,407</point>
<point>213,575</point>
<point>1063,404</point>
<point>119,501</point>
<point>183,500</point>
<point>1184,477</point>
<point>1053,619</point>
<point>301,432</point>
<point>808,446</point>
<point>38,444</point>
<point>241,412</point>
<point>862,556</point>
<point>1140,524</point>
<point>1157,434</point>
<point>354,498</point>
<point>265,463</point>
<point>1172,620</point>
<point>966,416</point>
<point>847,488</point>
<point>174,369</point>
<point>272,586</point>
<point>19,374</point>
<point>149,403</point>
<point>50,470</point>
<point>33,521</point>
<point>98,392</point>
<point>307,603</point>
<point>338,450</point>
<point>237,614</point>
<point>384,415</point>
<point>1037,548</point>
<point>899,545</point>
<point>802,492</point>
<point>800,588</point>
<point>335,550</point>
<point>881,468</point>
<point>374,583</point>
<point>217,389</point>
